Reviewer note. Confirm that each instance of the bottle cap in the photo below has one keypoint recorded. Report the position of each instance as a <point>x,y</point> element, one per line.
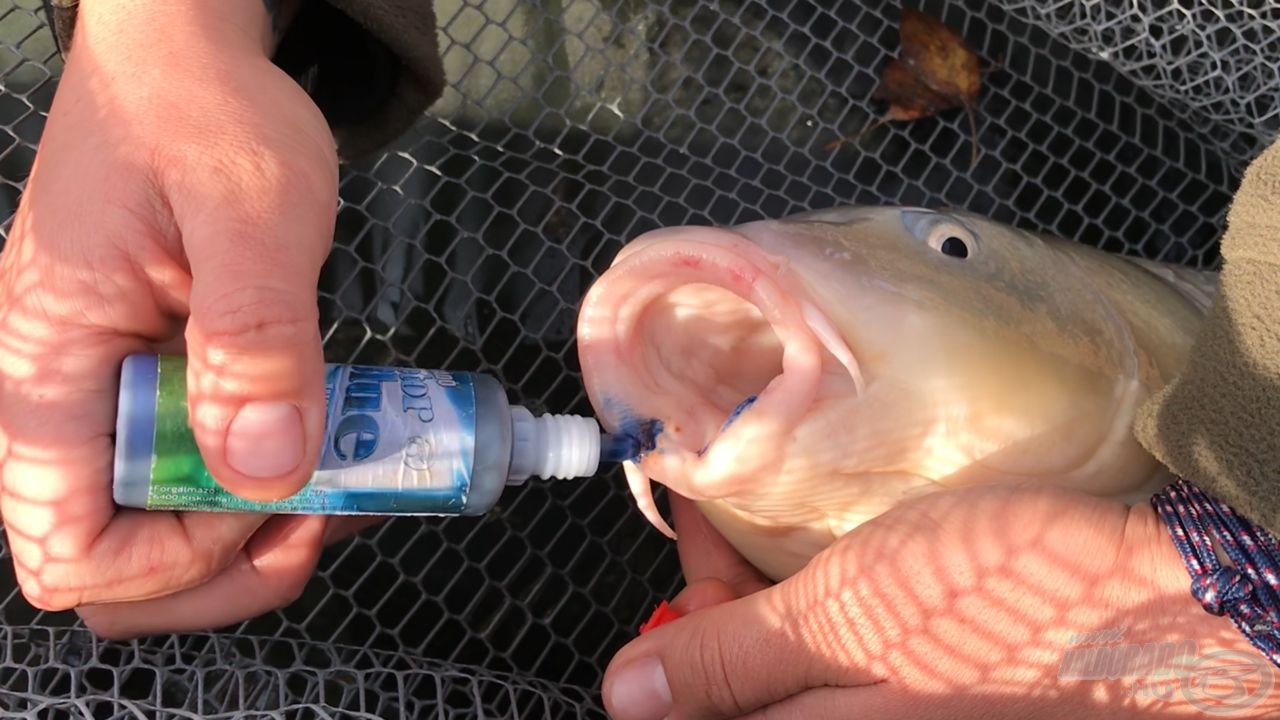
<point>552,446</point>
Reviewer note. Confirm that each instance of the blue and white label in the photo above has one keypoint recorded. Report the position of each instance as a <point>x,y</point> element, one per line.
<point>396,440</point>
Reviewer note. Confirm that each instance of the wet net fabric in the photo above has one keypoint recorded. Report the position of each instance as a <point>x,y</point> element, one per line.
<point>1211,62</point>
<point>569,128</point>
<point>221,676</point>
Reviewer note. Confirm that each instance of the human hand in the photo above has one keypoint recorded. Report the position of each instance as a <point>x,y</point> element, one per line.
<point>955,604</point>
<point>183,196</point>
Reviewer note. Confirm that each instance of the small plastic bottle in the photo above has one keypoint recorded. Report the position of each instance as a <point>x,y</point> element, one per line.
<point>397,441</point>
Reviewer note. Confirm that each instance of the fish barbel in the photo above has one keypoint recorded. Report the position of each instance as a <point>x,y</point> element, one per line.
<point>798,377</point>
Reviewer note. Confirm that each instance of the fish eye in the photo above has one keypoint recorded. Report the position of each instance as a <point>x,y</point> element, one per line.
<point>955,247</point>
<point>951,240</point>
<point>944,234</point>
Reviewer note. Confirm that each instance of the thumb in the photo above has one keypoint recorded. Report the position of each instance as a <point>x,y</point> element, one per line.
<point>723,661</point>
<point>255,363</point>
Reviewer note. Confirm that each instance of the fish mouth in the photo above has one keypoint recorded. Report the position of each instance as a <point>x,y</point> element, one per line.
<point>706,349</point>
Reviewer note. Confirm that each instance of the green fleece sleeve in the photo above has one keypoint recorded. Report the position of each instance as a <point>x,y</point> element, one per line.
<point>371,66</point>
<point>1218,423</point>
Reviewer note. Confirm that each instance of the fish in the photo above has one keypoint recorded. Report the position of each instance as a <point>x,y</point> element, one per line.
<point>797,377</point>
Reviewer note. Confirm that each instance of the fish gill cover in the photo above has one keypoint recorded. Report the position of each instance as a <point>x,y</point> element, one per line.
<point>567,129</point>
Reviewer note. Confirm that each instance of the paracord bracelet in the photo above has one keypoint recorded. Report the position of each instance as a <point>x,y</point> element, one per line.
<point>1248,590</point>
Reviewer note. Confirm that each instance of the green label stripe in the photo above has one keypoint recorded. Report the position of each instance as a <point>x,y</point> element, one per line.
<point>179,478</point>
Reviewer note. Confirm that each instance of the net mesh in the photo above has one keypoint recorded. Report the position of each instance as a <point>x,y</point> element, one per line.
<point>569,127</point>
<point>1213,63</point>
<point>220,676</point>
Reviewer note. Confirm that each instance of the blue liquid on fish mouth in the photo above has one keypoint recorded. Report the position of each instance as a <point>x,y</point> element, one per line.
<point>742,407</point>
<point>633,440</point>
<point>637,438</point>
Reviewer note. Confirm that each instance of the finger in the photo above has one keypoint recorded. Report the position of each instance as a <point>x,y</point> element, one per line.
<point>722,662</point>
<point>341,527</point>
<point>704,552</point>
<point>705,593</point>
<point>833,703</point>
<point>701,594</point>
<point>255,363</point>
<point>58,386</point>
<point>885,701</point>
<point>269,573</point>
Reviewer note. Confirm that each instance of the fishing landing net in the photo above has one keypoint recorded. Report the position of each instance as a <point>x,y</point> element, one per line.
<point>568,128</point>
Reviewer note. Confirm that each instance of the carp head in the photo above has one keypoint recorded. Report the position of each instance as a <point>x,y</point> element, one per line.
<point>798,377</point>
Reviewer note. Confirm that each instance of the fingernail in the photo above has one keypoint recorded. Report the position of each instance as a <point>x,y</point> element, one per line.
<point>640,692</point>
<point>265,439</point>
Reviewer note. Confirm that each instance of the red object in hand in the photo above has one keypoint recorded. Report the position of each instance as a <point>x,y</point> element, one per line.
<point>662,615</point>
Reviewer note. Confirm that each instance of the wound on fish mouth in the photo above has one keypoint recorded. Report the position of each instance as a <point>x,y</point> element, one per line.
<point>741,408</point>
<point>634,440</point>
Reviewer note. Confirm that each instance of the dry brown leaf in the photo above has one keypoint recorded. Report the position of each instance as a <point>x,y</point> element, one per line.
<point>936,71</point>
<point>909,98</point>
<point>939,57</point>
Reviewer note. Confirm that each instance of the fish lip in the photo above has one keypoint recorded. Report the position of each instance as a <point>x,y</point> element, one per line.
<point>655,264</point>
<point>615,414</point>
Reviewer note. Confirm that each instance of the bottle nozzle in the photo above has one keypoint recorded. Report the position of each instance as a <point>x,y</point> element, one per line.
<point>619,447</point>
<point>553,446</point>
